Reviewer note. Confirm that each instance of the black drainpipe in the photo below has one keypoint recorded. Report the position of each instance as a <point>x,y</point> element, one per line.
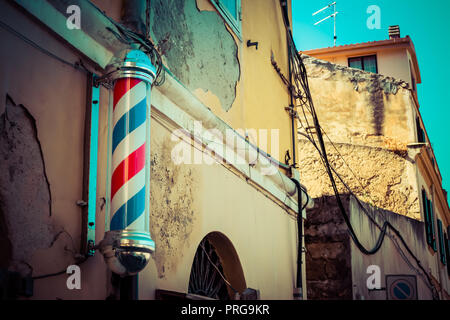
<point>291,98</point>
<point>134,14</point>
<point>298,295</point>
<point>298,291</point>
<point>129,287</point>
<point>291,111</point>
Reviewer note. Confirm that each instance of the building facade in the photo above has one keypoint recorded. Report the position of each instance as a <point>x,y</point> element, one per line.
<point>220,202</point>
<point>366,100</point>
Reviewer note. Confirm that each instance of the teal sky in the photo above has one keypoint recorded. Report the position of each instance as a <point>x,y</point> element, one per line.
<point>428,25</point>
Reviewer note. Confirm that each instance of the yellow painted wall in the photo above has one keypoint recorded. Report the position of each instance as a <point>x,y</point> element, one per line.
<point>262,232</point>
<point>261,96</point>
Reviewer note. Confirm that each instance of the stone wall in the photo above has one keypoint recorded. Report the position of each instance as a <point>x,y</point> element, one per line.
<point>336,269</point>
<point>377,176</point>
<point>328,261</point>
<point>368,119</point>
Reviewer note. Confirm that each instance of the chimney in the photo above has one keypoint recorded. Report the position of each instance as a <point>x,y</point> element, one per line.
<point>394,32</point>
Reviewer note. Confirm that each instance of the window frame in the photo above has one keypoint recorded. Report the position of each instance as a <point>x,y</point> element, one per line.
<point>234,23</point>
<point>413,82</point>
<point>447,249</point>
<point>362,62</point>
<point>420,132</point>
<point>429,221</point>
<point>413,78</point>
<point>442,249</point>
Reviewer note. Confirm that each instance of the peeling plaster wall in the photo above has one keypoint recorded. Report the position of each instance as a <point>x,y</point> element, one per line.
<point>235,81</point>
<point>42,132</point>
<point>359,107</point>
<point>25,198</point>
<point>197,47</point>
<point>172,205</point>
<point>187,202</point>
<point>369,118</point>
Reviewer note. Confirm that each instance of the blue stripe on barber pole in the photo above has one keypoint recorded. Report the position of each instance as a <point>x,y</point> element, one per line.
<point>130,98</point>
<point>129,212</point>
<point>129,144</point>
<point>129,122</point>
<point>127,191</point>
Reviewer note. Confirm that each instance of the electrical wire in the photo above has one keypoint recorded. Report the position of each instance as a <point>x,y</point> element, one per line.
<point>129,37</point>
<point>302,92</point>
<point>388,224</point>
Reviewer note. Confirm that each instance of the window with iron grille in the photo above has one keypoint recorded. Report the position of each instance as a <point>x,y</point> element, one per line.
<point>429,221</point>
<point>230,11</point>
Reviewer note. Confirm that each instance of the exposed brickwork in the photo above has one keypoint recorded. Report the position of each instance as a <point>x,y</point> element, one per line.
<point>328,264</point>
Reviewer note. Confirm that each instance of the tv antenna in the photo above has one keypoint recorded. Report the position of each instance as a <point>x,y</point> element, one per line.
<point>333,15</point>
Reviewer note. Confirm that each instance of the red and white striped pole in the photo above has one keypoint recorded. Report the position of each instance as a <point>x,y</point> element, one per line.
<point>127,245</point>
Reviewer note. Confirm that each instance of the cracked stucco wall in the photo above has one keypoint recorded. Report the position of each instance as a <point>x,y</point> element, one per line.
<point>197,47</point>
<point>173,210</point>
<point>42,144</point>
<point>369,119</point>
<point>25,198</point>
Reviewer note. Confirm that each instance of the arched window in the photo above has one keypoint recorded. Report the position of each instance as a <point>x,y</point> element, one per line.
<point>216,270</point>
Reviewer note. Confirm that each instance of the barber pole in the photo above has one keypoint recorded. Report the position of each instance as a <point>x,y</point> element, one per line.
<point>127,245</point>
<point>128,154</point>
